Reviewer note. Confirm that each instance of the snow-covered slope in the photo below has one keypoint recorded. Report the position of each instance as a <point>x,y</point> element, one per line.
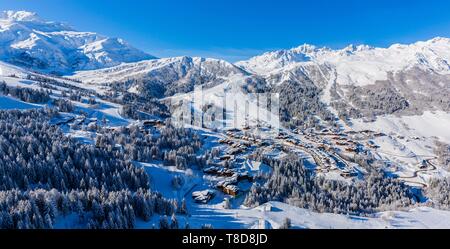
<point>27,40</point>
<point>160,67</point>
<point>361,64</point>
<point>165,76</point>
<point>7,69</point>
<point>274,213</point>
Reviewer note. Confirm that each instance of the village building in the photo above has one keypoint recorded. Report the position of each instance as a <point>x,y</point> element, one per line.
<point>203,196</point>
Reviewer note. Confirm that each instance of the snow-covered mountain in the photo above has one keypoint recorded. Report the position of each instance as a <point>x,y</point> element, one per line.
<point>353,82</point>
<point>362,81</point>
<point>29,41</point>
<point>358,64</point>
<point>166,76</point>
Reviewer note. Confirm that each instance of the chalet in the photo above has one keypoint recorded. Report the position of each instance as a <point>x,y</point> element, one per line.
<point>244,176</point>
<point>350,149</point>
<point>226,157</point>
<point>62,120</point>
<point>231,190</point>
<point>282,135</point>
<point>234,151</point>
<point>333,166</point>
<point>228,181</point>
<point>215,170</point>
<point>223,141</point>
<point>423,165</point>
<point>92,126</point>
<point>111,129</point>
<point>223,164</point>
<point>228,188</point>
<point>246,144</point>
<point>152,122</point>
<point>292,141</point>
<point>348,174</point>
<point>323,170</point>
<point>372,144</point>
<point>211,170</point>
<point>203,196</point>
<point>226,172</point>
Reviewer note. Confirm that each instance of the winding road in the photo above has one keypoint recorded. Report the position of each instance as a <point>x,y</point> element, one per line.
<point>416,172</point>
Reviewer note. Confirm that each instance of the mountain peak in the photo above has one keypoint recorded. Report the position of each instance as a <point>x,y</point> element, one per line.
<point>21,15</point>
<point>305,48</point>
<point>55,47</point>
<point>356,48</point>
<point>439,39</point>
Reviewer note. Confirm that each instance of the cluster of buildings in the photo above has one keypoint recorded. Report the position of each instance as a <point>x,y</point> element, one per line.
<point>230,178</point>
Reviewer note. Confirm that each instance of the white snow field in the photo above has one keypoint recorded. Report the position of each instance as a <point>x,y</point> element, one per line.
<point>8,103</point>
<point>274,214</point>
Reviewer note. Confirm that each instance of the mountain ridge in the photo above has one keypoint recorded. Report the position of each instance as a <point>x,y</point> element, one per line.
<point>354,82</point>
<point>53,47</point>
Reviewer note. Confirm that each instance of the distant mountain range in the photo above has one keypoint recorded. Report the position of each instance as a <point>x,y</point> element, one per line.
<point>29,41</point>
<point>353,82</point>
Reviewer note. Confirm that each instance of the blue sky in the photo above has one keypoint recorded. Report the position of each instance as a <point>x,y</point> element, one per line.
<point>235,30</point>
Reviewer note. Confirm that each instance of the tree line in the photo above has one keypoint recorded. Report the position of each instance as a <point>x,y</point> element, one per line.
<point>45,174</point>
<point>25,94</point>
<point>292,183</point>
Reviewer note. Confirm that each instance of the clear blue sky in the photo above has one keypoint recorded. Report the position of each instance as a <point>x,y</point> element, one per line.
<point>237,29</point>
